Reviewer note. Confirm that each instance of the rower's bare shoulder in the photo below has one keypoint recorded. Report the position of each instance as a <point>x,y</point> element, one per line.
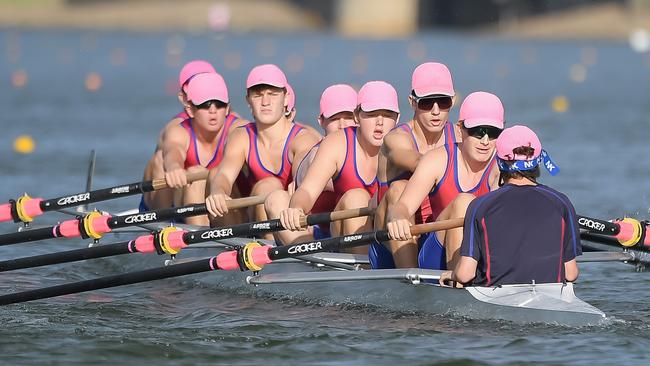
<point>436,157</point>
<point>239,122</point>
<point>396,139</point>
<point>176,134</point>
<point>307,138</point>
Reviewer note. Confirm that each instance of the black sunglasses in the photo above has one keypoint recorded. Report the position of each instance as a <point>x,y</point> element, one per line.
<point>208,103</point>
<point>426,104</point>
<point>480,131</point>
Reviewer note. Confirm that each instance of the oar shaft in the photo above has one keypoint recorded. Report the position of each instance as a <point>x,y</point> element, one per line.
<point>105,223</point>
<point>100,251</point>
<point>353,240</point>
<point>260,255</point>
<point>129,278</point>
<point>33,207</point>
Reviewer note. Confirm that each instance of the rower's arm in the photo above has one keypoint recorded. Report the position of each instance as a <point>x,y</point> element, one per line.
<point>572,244</point>
<point>428,172</point>
<point>174,148</point>
<point>493,179</point>
<point>223,176</point>
<point>465,270</point>
<point>395,149</point>
<point>325,165</point>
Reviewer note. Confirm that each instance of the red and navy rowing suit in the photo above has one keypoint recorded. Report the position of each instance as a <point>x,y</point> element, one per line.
<point>192,155</point>
<point>348,177</point>
<point>379,255</point>
<point>432,253</point>
<point>521,234</point>
<point>326,202</point>
<point>256,171</point>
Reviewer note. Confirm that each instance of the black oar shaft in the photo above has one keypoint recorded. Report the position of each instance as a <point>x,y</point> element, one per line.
<point>100,251</point>
<point>96,196</point>
<point>176,270</point>
<point>598,226</point>
<point>116,222</point>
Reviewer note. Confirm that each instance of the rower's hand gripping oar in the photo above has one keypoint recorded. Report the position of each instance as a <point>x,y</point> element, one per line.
<point>252,257</point>
<point>94,225</point>
<point>26,208</point>
<point>628,232</point>
<point>162,241</point>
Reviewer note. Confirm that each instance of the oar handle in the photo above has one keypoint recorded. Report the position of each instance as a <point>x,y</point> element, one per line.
<point>245,202</point>
<point>436,226</point>
<point>318,218</point>
<point>161,183</point>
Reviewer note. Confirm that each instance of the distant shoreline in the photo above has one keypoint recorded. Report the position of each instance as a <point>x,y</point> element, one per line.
<point>282,17</point>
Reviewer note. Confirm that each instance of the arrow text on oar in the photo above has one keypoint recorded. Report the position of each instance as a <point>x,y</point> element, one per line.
<point>26,208</point>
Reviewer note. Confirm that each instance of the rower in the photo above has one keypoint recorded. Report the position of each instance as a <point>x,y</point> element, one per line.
<point>511,235</point>
<point>337,105</point>
<point>155,169</point>
<point>450,179</point>
<point>432,96</point>
<point>197,143</point>
<point>266,148</point>
<point>349,158</point>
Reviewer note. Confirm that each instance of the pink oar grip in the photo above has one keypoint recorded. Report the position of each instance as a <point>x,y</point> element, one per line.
<point>5,212</point>
<point>100,224</point>
<point>32,207</point>
<point>227,261</point>
<point>70,229</point>
<point>261,255</point>
<point>175,240</point>
<point>144,244</point>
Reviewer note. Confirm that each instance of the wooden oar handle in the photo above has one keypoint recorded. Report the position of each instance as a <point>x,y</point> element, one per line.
<point>191,177</point>
<point>342,215</point>
<point>436,226</point>
<point>245,202</point>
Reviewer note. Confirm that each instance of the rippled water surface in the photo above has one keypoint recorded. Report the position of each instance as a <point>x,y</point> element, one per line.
<point>599,143</point>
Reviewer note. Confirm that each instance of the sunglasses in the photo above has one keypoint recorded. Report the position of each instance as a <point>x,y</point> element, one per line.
<point>480,131</point>
<point>426,104</point>
<point>207,104</point>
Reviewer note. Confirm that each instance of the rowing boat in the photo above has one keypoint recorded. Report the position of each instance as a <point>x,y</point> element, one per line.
<point>337,278</point>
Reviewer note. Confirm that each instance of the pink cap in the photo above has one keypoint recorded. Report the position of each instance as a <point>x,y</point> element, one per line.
<point>193,68</point>
<point>338,98</point>
<point>292,98</point>
<point>268,74</point>
<point>514,137</point>
<point>482,109</point>
<point>432,78</point>
<point>204,87</point>
<point>375,95</point>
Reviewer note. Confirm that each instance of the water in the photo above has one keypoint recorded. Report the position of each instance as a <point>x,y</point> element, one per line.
<point>600,144</point>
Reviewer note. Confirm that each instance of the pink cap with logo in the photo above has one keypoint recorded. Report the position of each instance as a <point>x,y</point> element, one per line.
<point>193,68</point>
<point>292,98</point>
<point>514,137</point>
<point>338,98</point>
<point>268,74</point>
<point>482,109</point>
<point>375,95</point>
<point>204,87</point>
<point>432,78</point>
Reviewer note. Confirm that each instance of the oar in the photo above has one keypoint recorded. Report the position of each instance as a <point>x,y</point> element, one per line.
<point>252,257</point>
<point>628,232</point>
<point>26,208</point>
<point>166,240</point>
<point>95,225</point>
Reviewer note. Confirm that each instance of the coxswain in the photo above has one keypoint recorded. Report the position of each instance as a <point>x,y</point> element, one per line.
<point>511,235</point>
